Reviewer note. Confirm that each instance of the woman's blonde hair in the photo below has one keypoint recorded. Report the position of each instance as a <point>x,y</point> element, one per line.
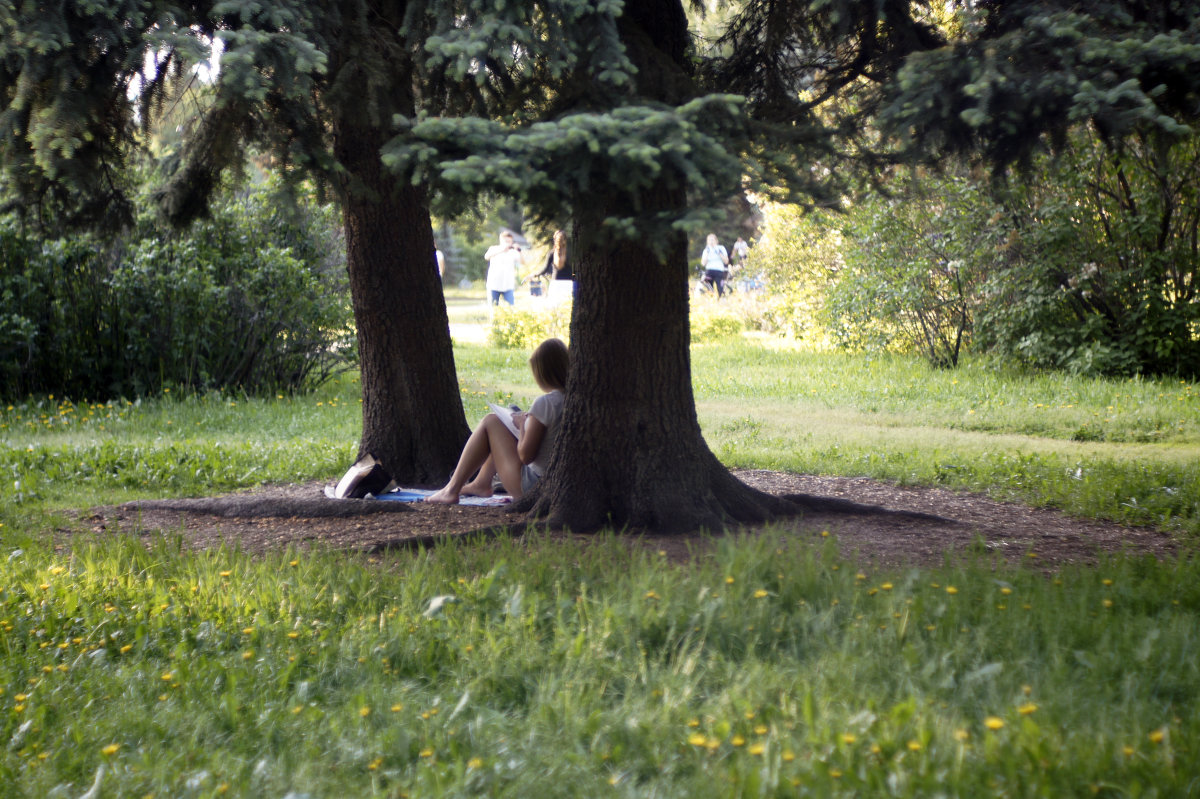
<point>550,364</point>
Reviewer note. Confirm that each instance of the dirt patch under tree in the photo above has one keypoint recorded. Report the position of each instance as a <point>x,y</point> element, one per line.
<point>887,525</point>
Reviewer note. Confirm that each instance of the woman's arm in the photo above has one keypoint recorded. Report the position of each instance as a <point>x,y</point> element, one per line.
<point>532,434</point>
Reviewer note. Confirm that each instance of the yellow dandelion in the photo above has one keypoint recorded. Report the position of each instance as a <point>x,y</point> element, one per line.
<point>1157,736</point>
<point>374,764</point>
<point>849,737</point>
<point>713,744</point>
<point>1027,708</point>
<point>860,576</point>
<point>293,635</point>
<point>697,739</point>
<point>760,593</point>
<point>835,773</point>
<point>886,586</point>
<point>951,590</point>
<point>110,750</point>
<point>364,711</point>
<point>914,746</point>
<point>652,595</point>
<point>961,735</point>
<point>426,752</point>
<point>475,762</point>
<point>693,722</point>
<point>737,740</point>
<point>248,654</point>
<point>167,676</point>
<point>397,708</point>
<point>1006,590</point>
<point>1108,603</point>
<point>994,723</point>
<point>225,573</point>
<point>760,729</point>
<point>756,749</point>
<point>297,710</point>
<point>293,563</point>
<point>728,581</point>
<point>1127,750</point>
<point>1107,581</point>
<point>248,631</point>
<point>824,534</point>
<point>788,756</point>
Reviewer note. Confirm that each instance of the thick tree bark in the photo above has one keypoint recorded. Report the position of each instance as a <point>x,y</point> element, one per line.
<point>413,419</point>
<point>630,451</point>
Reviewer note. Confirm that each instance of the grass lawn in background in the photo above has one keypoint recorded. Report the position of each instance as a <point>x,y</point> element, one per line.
<point>771,667</point>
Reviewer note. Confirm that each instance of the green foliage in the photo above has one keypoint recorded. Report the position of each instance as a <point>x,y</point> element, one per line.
<point>526,329</point>
<point>1098,270</point>
<point>712,324</point>
<point>1087,264</point>
<point>253,298</point>
<point>799,255</point>
<point>1020,73</point>
<point>911,269</point>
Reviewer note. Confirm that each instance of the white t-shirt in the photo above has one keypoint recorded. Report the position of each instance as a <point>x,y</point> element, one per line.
<point>714,258</point>
<point>548,410</point>
<point>502,268</point>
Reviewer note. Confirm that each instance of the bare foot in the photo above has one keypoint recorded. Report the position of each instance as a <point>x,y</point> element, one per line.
<point>477,489</point>
<point>443,497</point>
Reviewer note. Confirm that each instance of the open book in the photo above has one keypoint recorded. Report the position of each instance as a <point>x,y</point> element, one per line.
<point>506,416</point>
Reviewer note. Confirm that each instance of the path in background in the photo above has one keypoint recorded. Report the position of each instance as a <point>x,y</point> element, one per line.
<point>469,315</point>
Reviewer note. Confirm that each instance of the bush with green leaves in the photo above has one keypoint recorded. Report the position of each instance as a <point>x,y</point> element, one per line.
<point>912,267</point>
<point>1099,271</point>
<point>524,329</point>
<point>797,256</point>
<point>253,298</point>
<point>710,325</point>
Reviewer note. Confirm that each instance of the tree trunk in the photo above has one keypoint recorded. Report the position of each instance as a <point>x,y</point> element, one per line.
<point>413,420</point>
<point>630,451</point>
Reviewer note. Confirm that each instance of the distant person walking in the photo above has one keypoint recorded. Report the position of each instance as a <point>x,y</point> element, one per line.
<point>504,258</point>
<point>715,262</point>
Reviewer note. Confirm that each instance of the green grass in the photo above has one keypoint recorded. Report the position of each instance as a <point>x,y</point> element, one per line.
<point>771,668</point>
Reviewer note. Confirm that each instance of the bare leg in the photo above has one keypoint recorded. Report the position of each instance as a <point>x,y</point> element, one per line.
<point>481,485</point>
<point>492,442</point>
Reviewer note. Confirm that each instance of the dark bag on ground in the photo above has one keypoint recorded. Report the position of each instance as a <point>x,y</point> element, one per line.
<point>365,477</point>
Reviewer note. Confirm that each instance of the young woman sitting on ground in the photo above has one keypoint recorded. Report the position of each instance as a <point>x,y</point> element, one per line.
<point>493,450</point>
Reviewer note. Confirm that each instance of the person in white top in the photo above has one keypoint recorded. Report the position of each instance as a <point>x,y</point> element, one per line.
<point>504,258</point>
<point>520,461</point>
<point>715,261</point>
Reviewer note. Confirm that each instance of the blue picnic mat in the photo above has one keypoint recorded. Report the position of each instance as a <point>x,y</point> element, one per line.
<point>419,494</point>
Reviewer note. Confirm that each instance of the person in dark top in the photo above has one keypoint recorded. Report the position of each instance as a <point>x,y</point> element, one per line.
<point>557,267</point>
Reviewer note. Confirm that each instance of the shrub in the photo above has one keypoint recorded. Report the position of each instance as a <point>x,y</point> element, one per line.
<point>254,298</point>
<point>912,269</point>
<point>715,326</point>
<point>525,329</point>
